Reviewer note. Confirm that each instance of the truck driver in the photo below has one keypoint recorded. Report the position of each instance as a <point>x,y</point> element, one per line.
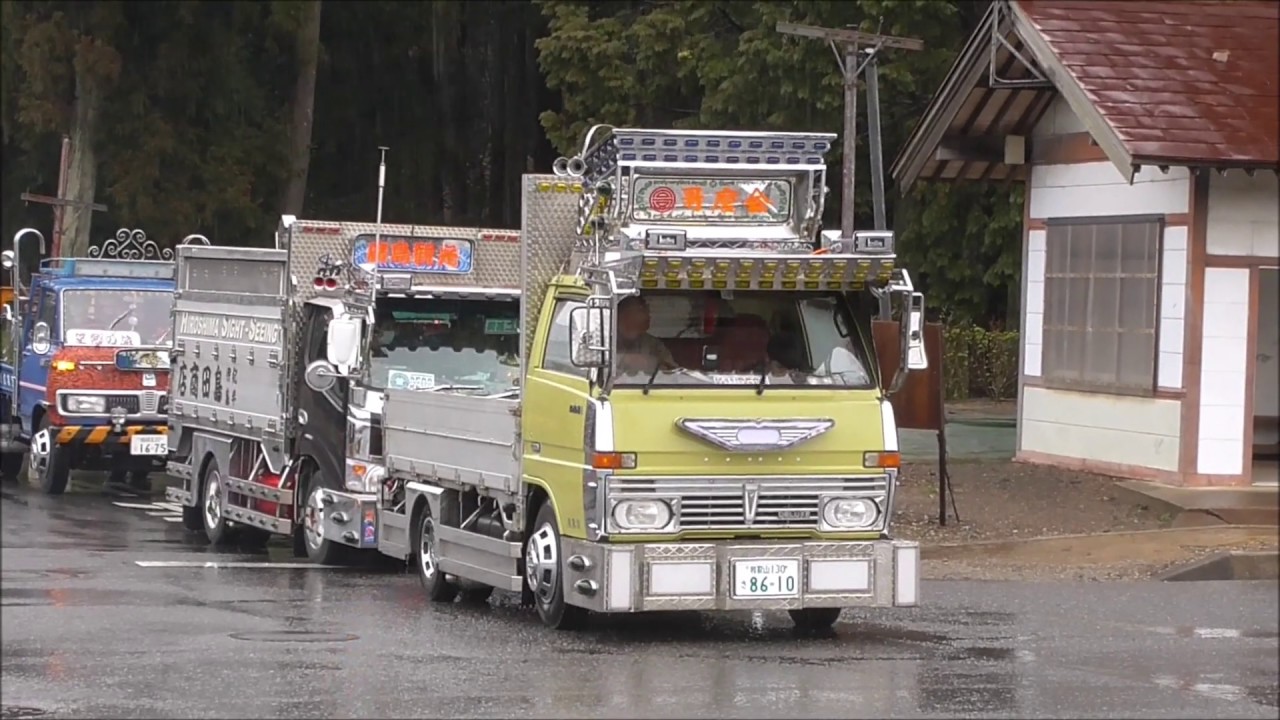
<point>638,351</point>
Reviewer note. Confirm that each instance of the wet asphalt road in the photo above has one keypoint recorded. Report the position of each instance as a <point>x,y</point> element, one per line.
<point>88,633</point>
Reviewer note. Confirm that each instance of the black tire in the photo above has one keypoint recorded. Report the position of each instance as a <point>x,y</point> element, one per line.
<point>192,518</point>
<point>137,480</point>
<point>55,473</point>
<point>318,549</point>
<point>251,538</point>
<point>476,595</point>
<point>434,582</point>
<point>544,570</point>
<point>212,499</point>
<point>811,620</point>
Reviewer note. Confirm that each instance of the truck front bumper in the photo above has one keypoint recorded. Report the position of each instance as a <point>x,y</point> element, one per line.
<point>616,577</point>
<point>350,518</point>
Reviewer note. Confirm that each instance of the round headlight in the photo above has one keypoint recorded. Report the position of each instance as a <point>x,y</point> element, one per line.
<point>642,514</point>
<point>852,513</point>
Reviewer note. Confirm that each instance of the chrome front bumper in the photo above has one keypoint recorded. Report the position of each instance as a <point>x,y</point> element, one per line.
<point>615,577</point>
<point>350,518</point>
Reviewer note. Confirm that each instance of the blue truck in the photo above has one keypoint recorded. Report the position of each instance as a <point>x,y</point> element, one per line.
<point>85,378</point>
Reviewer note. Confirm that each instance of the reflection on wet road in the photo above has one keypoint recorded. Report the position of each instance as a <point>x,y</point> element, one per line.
<point>89,633</point>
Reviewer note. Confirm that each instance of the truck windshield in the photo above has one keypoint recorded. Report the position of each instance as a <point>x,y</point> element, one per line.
<point>145,312</point>
<point>423,343</point>
<point>756,338</point>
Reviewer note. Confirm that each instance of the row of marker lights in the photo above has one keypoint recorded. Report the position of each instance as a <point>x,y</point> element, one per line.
<point>813,272</point>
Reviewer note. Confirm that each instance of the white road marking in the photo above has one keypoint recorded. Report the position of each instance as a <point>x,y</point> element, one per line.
<point>223,565</point>
<point>162,513</point>
<point>171,519</point>
<point>169,506</point>
<point>136,506</point>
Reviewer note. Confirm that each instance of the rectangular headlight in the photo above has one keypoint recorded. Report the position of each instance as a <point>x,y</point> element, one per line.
<point>85,403</point>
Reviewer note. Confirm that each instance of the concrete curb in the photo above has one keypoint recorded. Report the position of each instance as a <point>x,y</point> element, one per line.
<point>1083,546</point>
<point>1229,566</point>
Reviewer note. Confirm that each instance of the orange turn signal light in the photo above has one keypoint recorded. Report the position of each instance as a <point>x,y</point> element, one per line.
<point>613,461</point>
<point>881,459</point>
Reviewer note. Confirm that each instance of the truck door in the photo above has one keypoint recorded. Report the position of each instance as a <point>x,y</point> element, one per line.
<point>33,373</point>
<point>554,420</point>
<point>321,416</point>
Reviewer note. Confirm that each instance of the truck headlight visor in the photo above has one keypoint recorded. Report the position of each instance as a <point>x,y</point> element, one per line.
<point>850,513</point>
<point>642,514</point>
<point>84,403</point>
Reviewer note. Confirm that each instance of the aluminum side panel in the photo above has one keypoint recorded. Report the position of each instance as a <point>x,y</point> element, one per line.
<point>548,233</point>
<point>454,438</point>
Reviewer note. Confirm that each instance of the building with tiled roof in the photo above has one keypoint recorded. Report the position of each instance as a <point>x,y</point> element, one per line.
<point>1148,138</point>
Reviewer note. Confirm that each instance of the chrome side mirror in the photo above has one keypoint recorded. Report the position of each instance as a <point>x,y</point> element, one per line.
<point>40,342</point>
<point>589,335</point>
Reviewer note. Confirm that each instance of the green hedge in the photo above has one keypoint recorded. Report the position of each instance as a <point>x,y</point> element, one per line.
<point>979,363</point>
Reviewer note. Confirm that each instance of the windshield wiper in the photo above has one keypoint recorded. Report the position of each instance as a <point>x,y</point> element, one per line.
<point>657,365</point>
<point>438,388</point>
<point>122,316</point>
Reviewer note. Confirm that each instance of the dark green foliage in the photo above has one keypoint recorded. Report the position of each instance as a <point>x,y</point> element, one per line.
<point>193,133</point>
<point>979,363</point>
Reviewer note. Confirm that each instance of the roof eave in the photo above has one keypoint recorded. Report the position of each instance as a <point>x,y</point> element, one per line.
<point>1205,164</point>
<point>1071,91</point>
<point>944,106</point>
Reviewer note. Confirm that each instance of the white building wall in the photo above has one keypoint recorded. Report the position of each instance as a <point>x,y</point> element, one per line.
<point>1124,430</point>
<point>1244,216</point>
<point>1061,191</point>
<point>1103,428</point>
<point>1097,189</point>
<point>1222,370</point>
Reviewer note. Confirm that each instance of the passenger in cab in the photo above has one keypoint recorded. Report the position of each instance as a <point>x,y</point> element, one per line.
<point>638,351</point>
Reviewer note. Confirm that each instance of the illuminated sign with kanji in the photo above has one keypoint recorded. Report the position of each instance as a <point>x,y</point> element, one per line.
<point>416,255</point>
<point>711,200</point>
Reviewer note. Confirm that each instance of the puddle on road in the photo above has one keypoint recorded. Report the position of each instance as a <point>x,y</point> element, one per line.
<point>292,636</point>
<point>15,712</point>
<point>1216,633</point>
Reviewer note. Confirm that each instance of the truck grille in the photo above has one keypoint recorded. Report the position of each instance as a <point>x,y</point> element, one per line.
<point>148,402</point>
<point>721,503</point>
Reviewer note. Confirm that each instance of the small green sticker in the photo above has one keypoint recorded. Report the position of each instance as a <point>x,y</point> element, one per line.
<point>501,326</point>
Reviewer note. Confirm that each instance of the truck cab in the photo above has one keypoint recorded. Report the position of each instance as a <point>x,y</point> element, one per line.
<point>91,361</point>
<point>703,424</point>
<point>284,355</point>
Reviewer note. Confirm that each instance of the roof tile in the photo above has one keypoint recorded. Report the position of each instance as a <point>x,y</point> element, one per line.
<point>1194,81</point>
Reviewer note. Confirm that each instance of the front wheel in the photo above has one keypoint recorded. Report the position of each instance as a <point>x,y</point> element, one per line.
<point>319,550</point>
<point>48,463</point>
<point>543,573</point>
<point>814,619</point>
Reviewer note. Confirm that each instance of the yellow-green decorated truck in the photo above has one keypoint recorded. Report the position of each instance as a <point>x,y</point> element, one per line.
<point>700,422</point>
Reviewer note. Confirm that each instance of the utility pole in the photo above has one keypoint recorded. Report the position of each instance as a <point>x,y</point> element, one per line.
<point>60,203</point>
<point>848,45</point>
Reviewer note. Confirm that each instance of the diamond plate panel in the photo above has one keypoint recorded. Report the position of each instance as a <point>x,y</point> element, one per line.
<point>549,218</point>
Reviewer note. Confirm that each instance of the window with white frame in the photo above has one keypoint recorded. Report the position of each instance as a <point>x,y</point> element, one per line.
<point>1102,278</point>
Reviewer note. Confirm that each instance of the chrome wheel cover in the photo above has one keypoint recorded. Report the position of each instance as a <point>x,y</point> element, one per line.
<point>427,548</point>
<point>313,519</point>
<point>542,563</point>
<point>213,500</point>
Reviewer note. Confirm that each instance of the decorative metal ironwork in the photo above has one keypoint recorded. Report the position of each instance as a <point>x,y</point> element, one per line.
<point>130,245</point>
<point>330,268</point>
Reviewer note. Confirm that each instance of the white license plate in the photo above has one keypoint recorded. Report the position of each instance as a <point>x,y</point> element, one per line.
<point>149,445</point>
<point>766,578</point>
